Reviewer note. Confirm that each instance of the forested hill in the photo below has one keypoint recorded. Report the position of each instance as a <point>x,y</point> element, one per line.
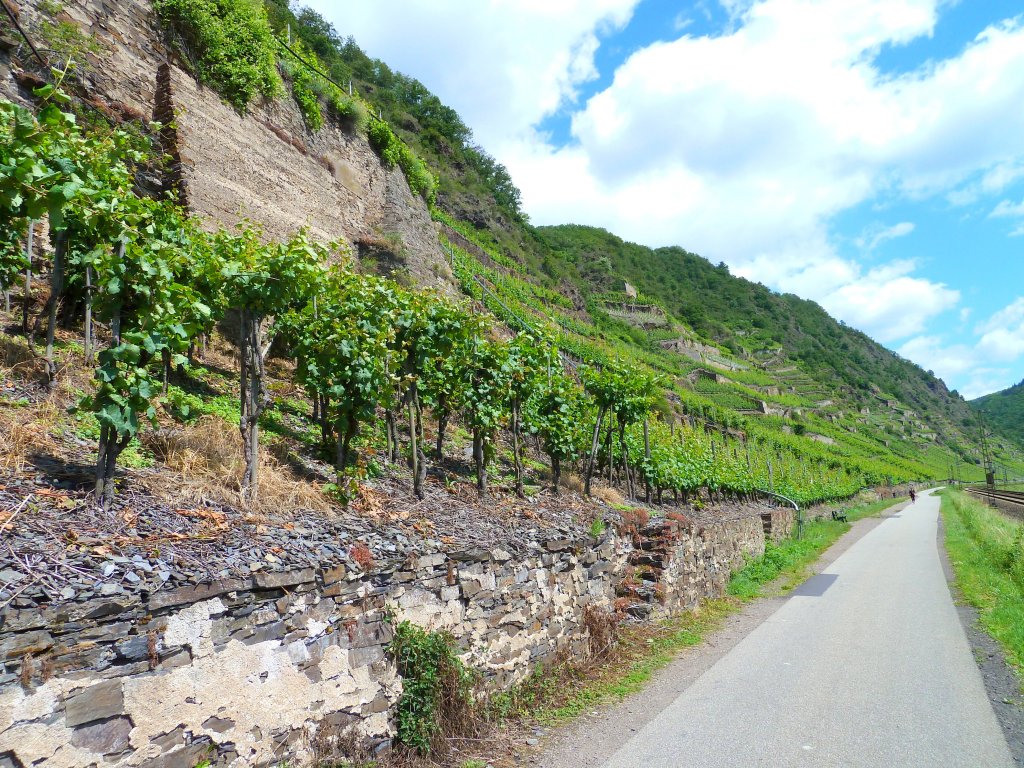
<point>1004,411</point>
<point>749,319</point>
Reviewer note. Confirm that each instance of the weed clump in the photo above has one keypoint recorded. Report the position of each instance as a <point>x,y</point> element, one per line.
<point>438,693</point>
<point>633,521</point>
<point>362,555</point>
<point>230,44</point>
<point>601,625</point>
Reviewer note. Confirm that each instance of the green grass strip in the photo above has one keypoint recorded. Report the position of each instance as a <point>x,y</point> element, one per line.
<point>650,655</point>
<point>986,549</point>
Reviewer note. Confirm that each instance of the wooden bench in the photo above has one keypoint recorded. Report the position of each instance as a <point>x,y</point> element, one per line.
<point>839,514</point>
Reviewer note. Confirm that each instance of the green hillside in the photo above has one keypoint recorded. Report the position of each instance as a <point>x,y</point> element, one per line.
<point>812,374</point>
<point>1004,411</point>
<point>762,389</point>
<point>649,371</point>
<point>753,322</point>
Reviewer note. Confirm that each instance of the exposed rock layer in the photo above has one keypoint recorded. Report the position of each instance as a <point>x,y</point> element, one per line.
<point>263,166</point>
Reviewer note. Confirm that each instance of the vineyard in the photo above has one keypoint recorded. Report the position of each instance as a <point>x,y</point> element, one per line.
<point>533,384</point>
<point>147,286</point>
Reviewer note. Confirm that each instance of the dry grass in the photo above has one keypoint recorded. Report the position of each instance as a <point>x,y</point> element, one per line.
<point>16,359</point>
<point>602,628</point>
<point>19,363</point>
<point>608,495</point>
<point>333,745</point>
<point>27,428</point>
<point>220,351</point>
<point>207,456</point>
<point>23,432</point>
<point>572,482</point>
<point>221,354</point>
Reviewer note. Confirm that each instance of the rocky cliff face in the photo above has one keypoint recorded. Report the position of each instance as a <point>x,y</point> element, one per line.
<point>263,166</point>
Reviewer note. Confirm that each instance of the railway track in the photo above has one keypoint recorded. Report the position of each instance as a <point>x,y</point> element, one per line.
<point>1011,502</point>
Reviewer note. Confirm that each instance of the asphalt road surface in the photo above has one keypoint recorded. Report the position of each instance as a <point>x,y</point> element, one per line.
<point>866,664</point>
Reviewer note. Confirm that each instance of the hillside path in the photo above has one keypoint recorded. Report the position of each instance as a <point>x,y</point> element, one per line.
<point>865,664</point>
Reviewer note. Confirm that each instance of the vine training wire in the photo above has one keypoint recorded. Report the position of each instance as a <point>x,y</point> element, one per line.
<point>14,20</point>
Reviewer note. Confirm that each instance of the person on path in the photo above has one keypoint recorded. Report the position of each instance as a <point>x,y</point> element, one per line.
<point>913,496</point>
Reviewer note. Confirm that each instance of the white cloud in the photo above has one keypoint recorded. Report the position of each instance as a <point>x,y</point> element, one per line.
<point>997,340</point>
<point>1008,209</point>
<point>1001,176</point>
<point>890,304</point>
<point>1010,315</point>
<point>743,146</point>
<point>504,64</point>
<point>870,240</point>
<point>1003,344</point>
<point>948,362</point>
<point>1002,336</point>
<point>681,22</point>
<point>957,362</point>
<point>991,182</point>
<point>983,381</point>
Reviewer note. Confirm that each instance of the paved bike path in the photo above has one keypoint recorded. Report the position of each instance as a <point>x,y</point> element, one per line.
<point>866,664</point>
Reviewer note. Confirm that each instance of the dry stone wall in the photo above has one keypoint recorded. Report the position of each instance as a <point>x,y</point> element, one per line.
<point>246,671</point>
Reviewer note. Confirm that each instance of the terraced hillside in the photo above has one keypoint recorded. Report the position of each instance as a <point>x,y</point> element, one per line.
<point>742,378</point>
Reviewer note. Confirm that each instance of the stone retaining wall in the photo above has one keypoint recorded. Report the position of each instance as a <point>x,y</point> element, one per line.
<point>244,671</point>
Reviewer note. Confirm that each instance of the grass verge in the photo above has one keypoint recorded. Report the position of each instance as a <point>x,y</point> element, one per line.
<point>986,549</point>
<point>565,690</point>
<point>789,560</point>
<point>872,508</point>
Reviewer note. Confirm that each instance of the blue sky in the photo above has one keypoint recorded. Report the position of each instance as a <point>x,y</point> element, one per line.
<point>866,154</point>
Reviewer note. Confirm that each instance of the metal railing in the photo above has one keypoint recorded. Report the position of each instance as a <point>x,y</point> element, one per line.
<point>799,512</point>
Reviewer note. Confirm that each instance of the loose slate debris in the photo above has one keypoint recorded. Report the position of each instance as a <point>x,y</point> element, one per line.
<point>57,546</point>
